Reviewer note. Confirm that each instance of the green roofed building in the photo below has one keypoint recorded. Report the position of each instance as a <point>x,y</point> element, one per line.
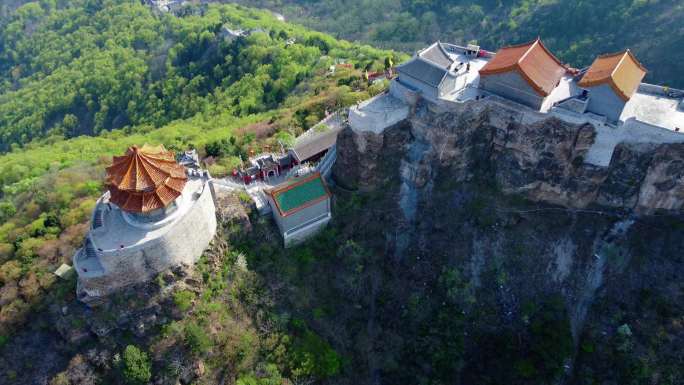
<point>301,207</point>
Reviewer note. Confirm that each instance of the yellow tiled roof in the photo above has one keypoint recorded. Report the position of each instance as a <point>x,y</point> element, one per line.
<point>622,71</point>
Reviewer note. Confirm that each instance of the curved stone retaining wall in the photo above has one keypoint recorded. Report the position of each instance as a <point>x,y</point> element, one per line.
<point>183,243</point>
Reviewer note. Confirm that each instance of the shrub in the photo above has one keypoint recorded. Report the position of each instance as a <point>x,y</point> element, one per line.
<point>304,255</point>
<point>60,379</point>
<point>10,271</point>
<point>183,299</point>
<point>30,286</point>
<point>588,347</point>
<point>15,312</point>
<point>271,376</point>
<point>245,197</point>
<point>3,340</point>
<point>313,356</point>
<point>525,369</point>
<point>7,210</point>
<point>197,339</point>
<point>6,251</point>
<point>218,170</point>
<point>550,340</point>
<point>137,368</point>
<point>286,138</point>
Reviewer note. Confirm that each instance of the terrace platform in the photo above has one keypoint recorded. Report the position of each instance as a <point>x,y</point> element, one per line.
<point>656,109</point>
<point>120,232</point>
<point>378,113</point>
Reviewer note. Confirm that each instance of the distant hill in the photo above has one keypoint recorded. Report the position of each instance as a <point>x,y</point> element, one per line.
<point>576,30</point>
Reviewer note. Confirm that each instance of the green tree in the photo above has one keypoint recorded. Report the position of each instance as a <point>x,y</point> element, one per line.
<point>137,368</point>
<point>183,299</point>
<point>197,339</point>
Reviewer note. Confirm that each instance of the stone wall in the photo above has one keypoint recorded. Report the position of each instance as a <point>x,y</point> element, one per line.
<point>183,243</point>
<point>404,93</point>
<point>632,131</point>
<point>604,101</point>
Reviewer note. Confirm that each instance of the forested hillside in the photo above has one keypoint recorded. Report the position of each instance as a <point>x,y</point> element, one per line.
<point>69,68</point>
<point>576,30</point>
<point>81,80</point>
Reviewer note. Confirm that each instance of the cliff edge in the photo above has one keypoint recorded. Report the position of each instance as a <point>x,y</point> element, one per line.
<point>539,158</point>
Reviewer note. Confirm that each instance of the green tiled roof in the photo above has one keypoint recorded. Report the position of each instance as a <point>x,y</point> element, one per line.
<point>300,194</point>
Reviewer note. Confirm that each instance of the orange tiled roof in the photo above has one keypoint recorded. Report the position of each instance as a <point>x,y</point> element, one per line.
<point>622,71</point>
<point>145,179</point>
<point>535,63</point>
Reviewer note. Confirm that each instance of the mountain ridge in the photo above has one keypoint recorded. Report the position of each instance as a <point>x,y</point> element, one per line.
<point>576,31</point>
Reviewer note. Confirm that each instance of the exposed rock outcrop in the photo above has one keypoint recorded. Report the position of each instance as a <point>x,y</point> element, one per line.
<point>540,157</point>
<point>372,152</point>
<point>445,187</point>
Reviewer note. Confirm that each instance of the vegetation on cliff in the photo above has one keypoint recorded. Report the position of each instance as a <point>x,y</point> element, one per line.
<point>481,288</point>
<point>82,80</point>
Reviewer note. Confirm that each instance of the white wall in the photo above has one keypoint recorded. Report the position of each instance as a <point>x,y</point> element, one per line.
<point>426,91</point>
<point>184,242</point>
<point>306,232</point>
<point>402,92</point>
<point>604,101</point>
<point>448,85</point>
<point>512,86</point>
<point>289,222</point>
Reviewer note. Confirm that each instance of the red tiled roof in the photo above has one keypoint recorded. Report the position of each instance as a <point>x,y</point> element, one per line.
<point>622,71</point>
<point>145,179</point>
<point>535,63</point>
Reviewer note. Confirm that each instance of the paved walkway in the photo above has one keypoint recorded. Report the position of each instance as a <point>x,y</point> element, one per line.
<point>257,189</point>
<point>117,233</point>
<point>334,121</point>
<point>609,136</point>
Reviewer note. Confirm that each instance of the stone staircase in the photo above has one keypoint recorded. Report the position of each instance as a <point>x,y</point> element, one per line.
<point>90,249</point>
<point>98,219</point>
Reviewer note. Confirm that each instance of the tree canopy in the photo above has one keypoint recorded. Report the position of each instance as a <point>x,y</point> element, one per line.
<point>576,30</point>
<point>81,80</point>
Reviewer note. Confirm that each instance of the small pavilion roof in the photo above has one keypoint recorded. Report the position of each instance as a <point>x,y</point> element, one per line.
<point>430,65</point>
<point>535,63</point>
<point>310,146</point>
<point>297,194</point>
<point>423,70</point>
<point>622,71</point>
<point>437,55</point>
<point>145,179</point>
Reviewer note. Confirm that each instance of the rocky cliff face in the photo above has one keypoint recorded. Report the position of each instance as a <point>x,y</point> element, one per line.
<point>542,159</point>
<point>493,221</point>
